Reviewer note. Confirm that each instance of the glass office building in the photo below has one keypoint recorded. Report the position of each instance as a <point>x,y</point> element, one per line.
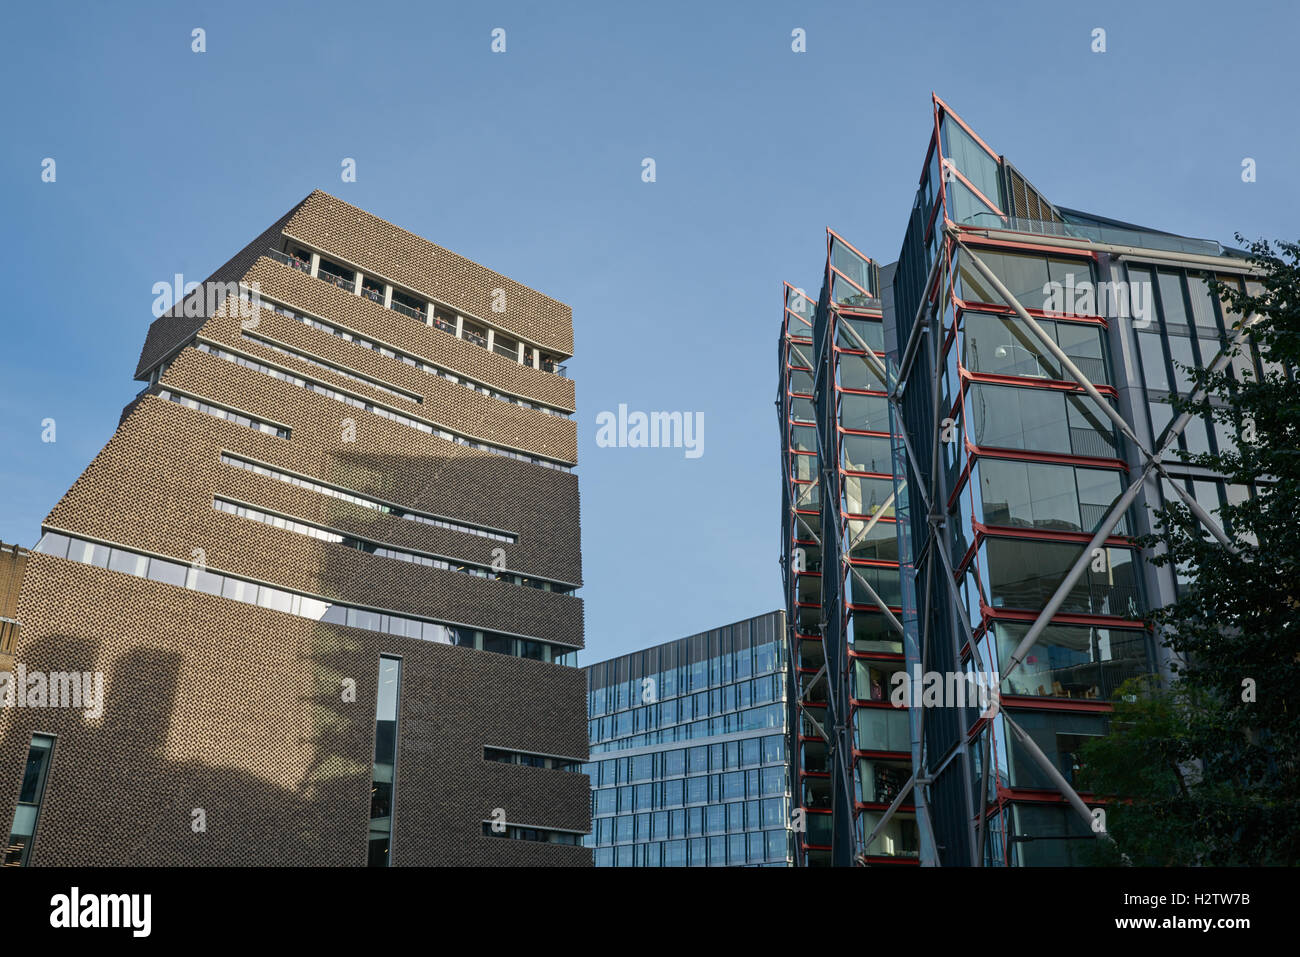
<point>1023,372</point>
<point>690,751</point>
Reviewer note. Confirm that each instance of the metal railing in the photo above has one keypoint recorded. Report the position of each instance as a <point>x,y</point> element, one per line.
<point>288,260</point>
<point>343,282</point>
<point>406,310</point>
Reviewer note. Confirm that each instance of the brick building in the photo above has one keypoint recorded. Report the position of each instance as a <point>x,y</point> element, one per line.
<point>327,566</point>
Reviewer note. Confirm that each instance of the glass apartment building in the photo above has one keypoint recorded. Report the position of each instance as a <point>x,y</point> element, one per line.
<point>690,751</point>
<point>843,649</point>
<point>1021,381</point>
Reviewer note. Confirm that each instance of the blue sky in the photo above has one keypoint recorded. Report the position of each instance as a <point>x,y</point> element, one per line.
<point>530,162</point>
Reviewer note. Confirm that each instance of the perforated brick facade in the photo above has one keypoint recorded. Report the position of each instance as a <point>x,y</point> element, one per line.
<point>241,710</point>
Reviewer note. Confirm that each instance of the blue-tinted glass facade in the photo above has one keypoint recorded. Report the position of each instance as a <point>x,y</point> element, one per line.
<point>690,751</point>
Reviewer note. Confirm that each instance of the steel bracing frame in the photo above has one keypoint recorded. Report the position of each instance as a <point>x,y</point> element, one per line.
<point>813,350</point>
<point>957,244</point>
<point>933,611</point>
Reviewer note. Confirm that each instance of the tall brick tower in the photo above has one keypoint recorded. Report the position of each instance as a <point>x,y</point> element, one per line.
<point>327,568</point>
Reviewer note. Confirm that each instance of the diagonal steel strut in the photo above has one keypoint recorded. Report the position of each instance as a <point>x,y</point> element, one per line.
<point>1152,461</point>
<point>1068,364</point>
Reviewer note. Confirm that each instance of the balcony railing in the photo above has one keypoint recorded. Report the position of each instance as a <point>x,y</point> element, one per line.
<point>291,261</point>
<point>343,282</point>
<point>406,310</point>
<point>882,729</point>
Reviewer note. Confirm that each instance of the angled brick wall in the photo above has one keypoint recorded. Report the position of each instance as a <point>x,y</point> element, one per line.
<point>377,246</point>
<point>240,710</point>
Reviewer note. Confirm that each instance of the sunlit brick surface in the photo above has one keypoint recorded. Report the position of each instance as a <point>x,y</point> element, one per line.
<point>240,710</point>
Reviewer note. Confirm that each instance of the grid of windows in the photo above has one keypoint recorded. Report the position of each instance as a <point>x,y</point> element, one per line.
<point>722,799</point>
<point>722,802</point>
<point>1192,328</point>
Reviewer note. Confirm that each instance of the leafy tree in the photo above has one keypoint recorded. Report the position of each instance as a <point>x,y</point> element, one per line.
<point>1209,767</point>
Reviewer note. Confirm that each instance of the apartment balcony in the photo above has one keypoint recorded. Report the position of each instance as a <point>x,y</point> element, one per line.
<point>882,729</point>
<point>337,279</point>
<point>293,262</point>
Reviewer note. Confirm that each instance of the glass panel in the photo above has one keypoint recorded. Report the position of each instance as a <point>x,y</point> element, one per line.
<point>1029,495</point>
<point>1025,574</point>
<point>383,779</point>
<point>169,573</point>
<point>1072,662</point>
<point>1153,361</point>
<point>1060,735</point>
<point>54,544</point>
<point>1180,351</point>
<point>972,160</point>
<point>128,562</point>
<point>865,453</point>
<point>1198,291</point>
<point>1171,298</point>
<point>1061,837</point>
<point>1001,345</point>
<point>866,496</point>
